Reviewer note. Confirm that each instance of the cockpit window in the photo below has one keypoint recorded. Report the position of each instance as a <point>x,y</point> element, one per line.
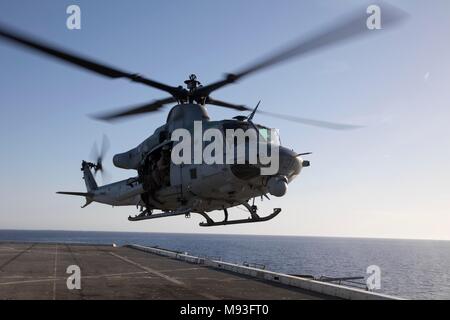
<point>236,125</point>
<point>264,132</point>
<point>270,135</point>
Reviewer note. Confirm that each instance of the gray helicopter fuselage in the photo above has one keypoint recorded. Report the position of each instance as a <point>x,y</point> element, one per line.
<point>122,193</point>
<point>213,187</point>
<point>195,187</point>
<point>181,116</point>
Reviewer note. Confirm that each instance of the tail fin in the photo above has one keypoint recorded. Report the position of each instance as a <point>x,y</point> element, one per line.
<point>89,179</point>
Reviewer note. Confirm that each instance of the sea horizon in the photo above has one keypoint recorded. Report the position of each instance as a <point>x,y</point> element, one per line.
<point>231,234</point>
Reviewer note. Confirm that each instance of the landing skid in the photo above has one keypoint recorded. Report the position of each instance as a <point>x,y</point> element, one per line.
<point>147,215</point>
<point>254,218</point>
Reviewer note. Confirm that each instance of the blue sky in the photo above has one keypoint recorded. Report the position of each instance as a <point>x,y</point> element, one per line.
<point>389,179</point>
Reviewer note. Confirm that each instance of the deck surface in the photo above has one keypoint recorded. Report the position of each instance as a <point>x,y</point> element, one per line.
<point>38,271</point>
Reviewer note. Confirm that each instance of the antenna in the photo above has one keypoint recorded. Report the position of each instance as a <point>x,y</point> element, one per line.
<point>250,118</point>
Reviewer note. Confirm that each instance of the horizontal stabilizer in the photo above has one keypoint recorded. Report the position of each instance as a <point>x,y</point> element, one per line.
<point>80,194</point>
<point>87,195</point>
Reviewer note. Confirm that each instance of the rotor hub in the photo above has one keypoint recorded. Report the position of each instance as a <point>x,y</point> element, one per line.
<point>192,83</point>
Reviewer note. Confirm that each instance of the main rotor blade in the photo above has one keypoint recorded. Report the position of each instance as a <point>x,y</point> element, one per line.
<point>146,108</point>
<point>348,28</point>
<point>312,122</point>
<point>306,121</point>
<point>224,104</point>
<point>43,47</point>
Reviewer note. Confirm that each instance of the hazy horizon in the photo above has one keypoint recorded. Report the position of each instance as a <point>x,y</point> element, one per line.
<point>228,234</point>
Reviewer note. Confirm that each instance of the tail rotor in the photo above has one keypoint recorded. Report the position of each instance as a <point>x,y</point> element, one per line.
<point>98,156</point>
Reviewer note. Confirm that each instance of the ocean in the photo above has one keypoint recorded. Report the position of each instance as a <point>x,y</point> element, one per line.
<point>413,269</point>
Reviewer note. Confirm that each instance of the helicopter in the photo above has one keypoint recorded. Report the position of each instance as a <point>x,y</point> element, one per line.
<point>176,189</point>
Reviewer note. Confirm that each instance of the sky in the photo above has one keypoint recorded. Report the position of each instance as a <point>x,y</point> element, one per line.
<point>390,179</point>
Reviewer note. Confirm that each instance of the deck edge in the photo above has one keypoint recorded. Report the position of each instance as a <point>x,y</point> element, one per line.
<point>314,286</point>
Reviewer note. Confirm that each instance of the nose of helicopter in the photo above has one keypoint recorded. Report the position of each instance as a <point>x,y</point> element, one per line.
<point>290,164</point>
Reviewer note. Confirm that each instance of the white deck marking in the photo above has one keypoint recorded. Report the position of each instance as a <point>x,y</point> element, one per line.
<point>183,269</point>
<point>149,270</point>
<point>54,272</point>
<point>27,281</point>
<point>164,276</point>
<point>8,249</point>
<point>51,279</point>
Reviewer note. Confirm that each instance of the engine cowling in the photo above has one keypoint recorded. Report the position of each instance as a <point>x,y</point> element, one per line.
<point>127,160</point>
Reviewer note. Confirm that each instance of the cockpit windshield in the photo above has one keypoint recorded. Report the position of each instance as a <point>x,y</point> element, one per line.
<point>269,135</point>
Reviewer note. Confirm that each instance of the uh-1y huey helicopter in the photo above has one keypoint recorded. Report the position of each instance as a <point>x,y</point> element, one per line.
<point>182,189</point>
